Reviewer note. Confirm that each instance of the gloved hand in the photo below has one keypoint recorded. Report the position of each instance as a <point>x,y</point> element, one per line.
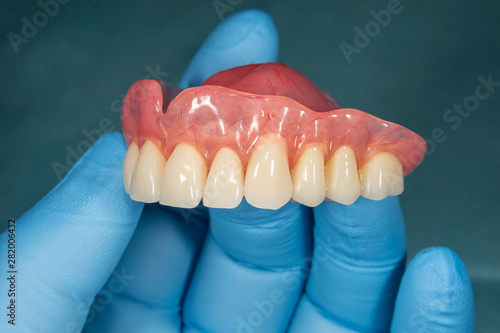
<point>163,269</point>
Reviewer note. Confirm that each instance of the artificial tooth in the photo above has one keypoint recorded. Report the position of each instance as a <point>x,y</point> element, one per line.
<point>342,179</point>
<point>308,175</point>
<point>381,176</point>
<point>147,175</point>
<point>129,165</point>
<point>224,185</point>
<point>183,178</point>
<point>267,181</point>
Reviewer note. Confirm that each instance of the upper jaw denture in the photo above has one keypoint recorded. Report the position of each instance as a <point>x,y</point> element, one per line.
<point>262,131</point>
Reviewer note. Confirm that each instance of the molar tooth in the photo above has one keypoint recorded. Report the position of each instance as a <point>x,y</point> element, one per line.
<point>129,165</point>
<point>267,181</point>
<point>224,186</point>
<point>308,175</point>
<point>183,178</point>
<point>147,176</point>
<point>381,176</point>
<point>342,178</point>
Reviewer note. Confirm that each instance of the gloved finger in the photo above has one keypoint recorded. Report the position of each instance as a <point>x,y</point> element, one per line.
<point>156,266</point>
<point>358,261</point>
<point>68,244</point>
<point>241,277</point>
<point>243,38</point>
<point>435,295</point>
<point>250,273</point>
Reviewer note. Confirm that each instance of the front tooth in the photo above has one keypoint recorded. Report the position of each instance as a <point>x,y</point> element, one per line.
<point>309,178</point>
<point>267,181</point>
<point>224,186</point>
<point>129,165</point>
<point>342,178</point>
<point>381,176</point>
<point>183,178</point>
<point>146,179</point>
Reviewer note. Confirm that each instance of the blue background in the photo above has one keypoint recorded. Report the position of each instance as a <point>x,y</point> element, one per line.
<point>70,76</point>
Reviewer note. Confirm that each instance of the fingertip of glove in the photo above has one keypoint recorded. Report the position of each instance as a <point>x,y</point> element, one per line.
<point>440,264</point>
<point>256,20</point>
<point>435,294</point>
<point>260,42</point>
<point>246,37</point>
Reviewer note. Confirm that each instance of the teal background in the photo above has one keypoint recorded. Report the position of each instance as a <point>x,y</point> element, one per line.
<point>70,76</point>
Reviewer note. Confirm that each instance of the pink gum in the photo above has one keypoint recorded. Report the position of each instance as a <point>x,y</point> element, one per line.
<point>212,117</point>
<point>276,79</point>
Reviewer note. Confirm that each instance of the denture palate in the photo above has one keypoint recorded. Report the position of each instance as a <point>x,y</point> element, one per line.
<point>263,132</point>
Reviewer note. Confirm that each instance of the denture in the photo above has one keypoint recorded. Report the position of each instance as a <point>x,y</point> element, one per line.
<point>263,132</point>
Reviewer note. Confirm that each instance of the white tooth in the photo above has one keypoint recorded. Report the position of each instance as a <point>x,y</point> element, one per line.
<point>342,180</point>
<point>308,176</point>
<point>381,176</point>
<point>267,181</point>
<point>224,186</point>
<point>129,165</point>
<point>183,178</point>
<point>146,179</point>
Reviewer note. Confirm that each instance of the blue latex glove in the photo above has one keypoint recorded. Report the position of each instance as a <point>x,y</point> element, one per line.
<point>244,272</point>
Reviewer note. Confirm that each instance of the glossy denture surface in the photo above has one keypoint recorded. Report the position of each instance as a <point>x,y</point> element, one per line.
<point>236,107</point>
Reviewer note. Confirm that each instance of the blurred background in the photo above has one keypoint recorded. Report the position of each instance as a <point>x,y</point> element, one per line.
<point>430,66</point>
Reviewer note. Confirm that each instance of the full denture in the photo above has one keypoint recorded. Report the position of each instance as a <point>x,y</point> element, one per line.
<point>283,138</point>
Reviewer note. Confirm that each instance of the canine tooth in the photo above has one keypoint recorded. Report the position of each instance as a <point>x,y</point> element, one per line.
<point>342,179</point>
<point>183,178</point>
<point>267,181</point>
<point>381,176</point>
<point>129,165</point>
<point>147,176</point>
<point>224,186</point>
<point>308,176</point>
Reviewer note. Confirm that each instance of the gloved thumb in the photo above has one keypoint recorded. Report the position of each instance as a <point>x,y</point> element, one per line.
<point>69,243</point>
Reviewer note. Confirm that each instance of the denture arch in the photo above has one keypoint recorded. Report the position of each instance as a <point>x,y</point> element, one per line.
<point>249,107</point>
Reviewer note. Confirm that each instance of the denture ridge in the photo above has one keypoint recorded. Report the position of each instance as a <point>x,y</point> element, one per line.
<point>232,110</point>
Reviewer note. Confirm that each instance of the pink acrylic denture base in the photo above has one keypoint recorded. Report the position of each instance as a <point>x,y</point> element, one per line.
<point>235,108</point>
